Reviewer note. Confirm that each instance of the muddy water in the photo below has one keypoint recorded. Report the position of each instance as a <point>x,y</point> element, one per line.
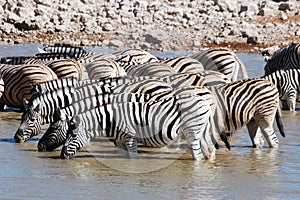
<point>100,171</point>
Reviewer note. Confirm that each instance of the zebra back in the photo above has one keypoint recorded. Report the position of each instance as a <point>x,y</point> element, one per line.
<point>15,60</point>
<point>104,68</point>
<point>19,80</point>
<point>72,51</point>
<point>184,64</point>
<point>132,57</point>
<point>285,58</point>
<point>223,60</point>
<point>155,69</point>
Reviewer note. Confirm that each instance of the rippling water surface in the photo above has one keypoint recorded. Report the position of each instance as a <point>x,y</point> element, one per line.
<point>102,172</point>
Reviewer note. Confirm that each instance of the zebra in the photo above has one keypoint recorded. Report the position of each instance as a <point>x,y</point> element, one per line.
<point>287,82</point>
<point>154,124</point>
<point>74,51</point>
<point>1,86</point>
<point>63,68</point>
<point>285,58</point>
<point>223,60</point>
<point>55,135</point>
<point>251,102</point>
<point>41,106</point>
<point>146,85</point>
<point>132,57</point>
<point>104,68</point>
<point>184,64</point>
<point>15,60</point>
<point>19,79</point>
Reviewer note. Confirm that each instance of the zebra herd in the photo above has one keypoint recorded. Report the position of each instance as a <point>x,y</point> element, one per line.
<point>132,97</point>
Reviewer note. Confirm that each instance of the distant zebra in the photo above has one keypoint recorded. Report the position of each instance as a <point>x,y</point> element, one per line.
<point>132,57</point>
<point>288,85</point>
<point>184,64</point>
<point>19,79</point>
<point>285,58</point>
<point>63,68</point>
<point>104,68</point>
<point>1,86</point>
<point>154,124</point>
<point>222,60</point>
<point>251,102</point>
<point>64,49</point>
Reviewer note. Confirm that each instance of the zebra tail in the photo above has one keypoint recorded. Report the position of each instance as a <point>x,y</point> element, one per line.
<point>242,68</point>
<point>279,123</point>
<point>224,139</point>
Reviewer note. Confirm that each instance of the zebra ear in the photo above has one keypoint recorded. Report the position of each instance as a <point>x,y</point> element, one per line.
<point>25,103</point>
<point>37,108</point>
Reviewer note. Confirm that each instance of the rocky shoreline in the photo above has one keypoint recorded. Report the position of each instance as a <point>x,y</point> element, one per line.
<point>152,25</point>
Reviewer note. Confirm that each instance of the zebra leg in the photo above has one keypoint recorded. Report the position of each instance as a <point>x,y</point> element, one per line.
<point>208,138</point>
<point>131,146</point>
<point>269,133</point>
<point>196,145</point>
<point>291,102</point>
<point>255,134</point>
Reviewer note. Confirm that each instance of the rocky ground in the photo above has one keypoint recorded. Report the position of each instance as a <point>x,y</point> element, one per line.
<point>242,25</point>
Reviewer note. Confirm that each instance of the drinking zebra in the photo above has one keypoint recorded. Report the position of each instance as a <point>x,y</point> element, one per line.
<point>154,124</point>
<point>63,49</point>
<point>41,106</point>
<point>149,85</point>
<point>56,134</point>
<point>251,102</point>
<point>287,83</point>
<point>19,79</point>
<point>285,58</point>
<point>223,60</point>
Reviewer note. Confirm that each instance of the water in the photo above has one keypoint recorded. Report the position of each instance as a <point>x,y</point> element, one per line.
<point>101,172</point>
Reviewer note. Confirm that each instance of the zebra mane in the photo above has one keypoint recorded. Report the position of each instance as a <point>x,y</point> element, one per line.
<point>283,51</point>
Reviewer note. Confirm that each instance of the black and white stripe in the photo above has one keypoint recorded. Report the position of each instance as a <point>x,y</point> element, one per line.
<point>287,83</point>
<point>285,58</point>
<point>154,124</point>
<point>251,102</point>
<point>222,60</point>
<point>19,79</point>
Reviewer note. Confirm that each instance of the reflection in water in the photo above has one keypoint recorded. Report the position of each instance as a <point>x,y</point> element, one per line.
<point>102,172</point>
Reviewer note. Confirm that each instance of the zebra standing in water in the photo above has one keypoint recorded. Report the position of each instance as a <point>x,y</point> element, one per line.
<point>288,85</point>
<point>223,60</point>
<point>41,107</point>
<point>19,80</point>
<point>57,132</point>
<point>251,102</point>
<point>154,124</point>
<point>286,58</point>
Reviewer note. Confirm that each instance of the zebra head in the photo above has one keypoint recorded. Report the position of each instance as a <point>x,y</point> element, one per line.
<point>77,137</point>
<point>56,134</point>
<point>31,122</point>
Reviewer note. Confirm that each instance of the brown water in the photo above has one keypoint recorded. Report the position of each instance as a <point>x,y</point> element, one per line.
<point>100,171</point>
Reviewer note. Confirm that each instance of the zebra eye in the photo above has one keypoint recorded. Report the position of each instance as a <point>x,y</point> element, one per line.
<point>32,119</point>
